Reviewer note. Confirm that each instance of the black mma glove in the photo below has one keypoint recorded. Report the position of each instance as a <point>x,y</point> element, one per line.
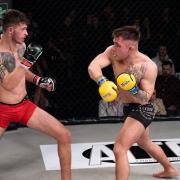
<point>32,53</point>
<point>45,82</point>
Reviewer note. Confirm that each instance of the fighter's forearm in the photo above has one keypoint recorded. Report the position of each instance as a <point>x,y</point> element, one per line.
<point>141,97</point>
<point>29,76</point>
<point>94,72</point>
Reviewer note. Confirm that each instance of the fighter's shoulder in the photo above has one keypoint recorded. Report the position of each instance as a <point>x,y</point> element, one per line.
<point>4,54</point>
<point>148,61</point>
<point>109,51</point>
<point>21,46</point>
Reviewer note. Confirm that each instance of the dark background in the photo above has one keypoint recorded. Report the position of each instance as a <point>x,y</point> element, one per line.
<point>76,95</point>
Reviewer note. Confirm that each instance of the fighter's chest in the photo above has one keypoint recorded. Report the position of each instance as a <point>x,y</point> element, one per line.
<point>16,57</point>
<point>137,70</point>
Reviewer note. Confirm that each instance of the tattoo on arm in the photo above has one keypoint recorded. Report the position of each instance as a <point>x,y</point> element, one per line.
<point>7,63</point>
<point>143,96</point>
<point>2,72</point>
<point>137,72</point>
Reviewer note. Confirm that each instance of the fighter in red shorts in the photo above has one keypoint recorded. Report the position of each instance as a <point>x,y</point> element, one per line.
<point>14,103</point>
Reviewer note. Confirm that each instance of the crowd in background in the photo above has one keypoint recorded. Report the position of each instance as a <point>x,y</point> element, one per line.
<point>73,37</point>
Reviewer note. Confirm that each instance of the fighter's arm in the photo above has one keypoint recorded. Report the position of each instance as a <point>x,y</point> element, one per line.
<point>47,83</point>
<point>98,63</point>
<point>29,76</point>
<point>27,59</point>
<point>147,83</point>
<point>107,89</point>
<point>21,52</point>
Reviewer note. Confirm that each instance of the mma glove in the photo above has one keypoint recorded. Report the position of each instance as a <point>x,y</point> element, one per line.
<point>45,83</point>
<point>32,53</point>
<point>127,82</point>
<point>107,89</point>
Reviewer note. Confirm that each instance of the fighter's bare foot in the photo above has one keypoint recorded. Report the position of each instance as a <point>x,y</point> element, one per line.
<point>167,174</point>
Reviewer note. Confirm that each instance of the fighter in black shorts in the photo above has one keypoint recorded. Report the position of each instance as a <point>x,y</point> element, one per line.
<point>136,75</point>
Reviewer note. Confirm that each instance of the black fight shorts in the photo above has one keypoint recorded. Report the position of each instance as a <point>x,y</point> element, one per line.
<point>142,113</point>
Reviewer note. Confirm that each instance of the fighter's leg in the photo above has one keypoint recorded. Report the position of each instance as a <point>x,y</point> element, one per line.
<point>44,122</point>
<point>129,134</point>
<point>2,131</point>
<point>157,153</point>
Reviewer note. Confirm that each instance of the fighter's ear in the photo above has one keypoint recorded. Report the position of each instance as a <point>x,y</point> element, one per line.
<point>132,44</point>
<point>10,29</point>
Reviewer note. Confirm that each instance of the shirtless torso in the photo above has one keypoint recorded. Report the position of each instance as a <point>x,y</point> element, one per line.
<point>140,66</point>
<point>18,92</point>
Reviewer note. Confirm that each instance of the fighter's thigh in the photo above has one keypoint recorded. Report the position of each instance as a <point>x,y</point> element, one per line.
<point>144,141</point>
<point>131,131</point>
<point>46,123</point>
<point>2,131</point>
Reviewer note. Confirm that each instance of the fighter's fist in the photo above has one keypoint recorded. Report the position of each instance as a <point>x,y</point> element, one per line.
<point>107,89</point>
<point>45,82</point>
<point>127,82</point>
<point>32,53</point>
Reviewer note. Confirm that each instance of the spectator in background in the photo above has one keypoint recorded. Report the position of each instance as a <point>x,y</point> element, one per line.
<point>146,43</point>
<point>108,17</point>
<point>91,33</point>
<point>137,23</point>
<point>158,105</point>
<point>114,108</point>
<point>66,43</point>
<point>175,48</point>
<point>123,16</point>
<point>161,57</point>
<point>33,29</point>
<point>165,24</point>
<point>145,29</point>
<point>168,89</point>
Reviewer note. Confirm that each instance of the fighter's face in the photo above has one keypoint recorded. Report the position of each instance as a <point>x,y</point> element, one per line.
<point>120,48</point>
<point>19,33</point>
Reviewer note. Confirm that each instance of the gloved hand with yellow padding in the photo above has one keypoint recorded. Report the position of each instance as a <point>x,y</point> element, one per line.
<point>107,89</point>
<point>127,82</point>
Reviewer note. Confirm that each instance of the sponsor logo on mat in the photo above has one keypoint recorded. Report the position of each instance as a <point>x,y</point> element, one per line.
<point>98,155</point>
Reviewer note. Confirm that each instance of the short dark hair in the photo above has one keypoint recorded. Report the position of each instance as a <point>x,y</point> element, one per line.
<point>127,33</point>
<point>167,63</point>
<point>13,17</point>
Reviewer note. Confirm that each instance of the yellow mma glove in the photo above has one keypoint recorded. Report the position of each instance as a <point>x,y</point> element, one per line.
<point>127,82</point>
<point>107,89</point>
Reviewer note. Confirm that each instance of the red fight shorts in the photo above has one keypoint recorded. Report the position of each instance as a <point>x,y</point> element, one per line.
<point>18,113</point>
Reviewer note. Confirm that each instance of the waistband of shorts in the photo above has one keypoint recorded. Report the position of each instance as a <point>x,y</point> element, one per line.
<point>134,104</point>
<point>24,99</point>
<point>130,104</point>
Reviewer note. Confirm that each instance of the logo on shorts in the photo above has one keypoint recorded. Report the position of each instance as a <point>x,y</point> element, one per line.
<point>147,111</point>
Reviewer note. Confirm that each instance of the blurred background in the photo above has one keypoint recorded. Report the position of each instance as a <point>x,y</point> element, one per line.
<point>72,33</point>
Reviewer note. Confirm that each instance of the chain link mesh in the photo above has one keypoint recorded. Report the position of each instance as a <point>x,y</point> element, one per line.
<point>74,32</point>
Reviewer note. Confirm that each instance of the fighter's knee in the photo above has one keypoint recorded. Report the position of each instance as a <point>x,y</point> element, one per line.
<point>119,149</point>
<point>65,137</point>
